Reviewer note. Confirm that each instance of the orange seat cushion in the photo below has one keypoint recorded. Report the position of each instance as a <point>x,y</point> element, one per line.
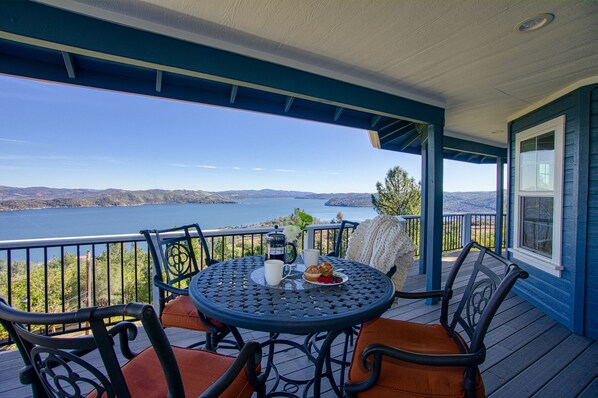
<point>403,379</point>
<point>182,313</point>
<point>199,370</point>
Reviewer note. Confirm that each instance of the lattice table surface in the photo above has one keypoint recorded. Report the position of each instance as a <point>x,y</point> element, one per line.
<point>227,292</point>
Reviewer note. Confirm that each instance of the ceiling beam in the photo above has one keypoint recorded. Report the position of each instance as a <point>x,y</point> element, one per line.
<point>390,124</point>
<point>69,65</point>
<point>397,148</point>
<point>23,60</point>
<point>472,157</point>
<point>159,81</point>
<point>288,102</point>
<point>49,27</point>
<point>461,145</point>
<point>375,121</point>
<point>401,129</point>
<point>233,93</point>
<point>411,138</point>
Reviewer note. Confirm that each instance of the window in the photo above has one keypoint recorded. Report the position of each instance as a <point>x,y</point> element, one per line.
<point>539,195</point>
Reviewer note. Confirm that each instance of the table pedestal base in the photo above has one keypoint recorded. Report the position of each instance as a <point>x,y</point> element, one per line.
<point>319,356</point>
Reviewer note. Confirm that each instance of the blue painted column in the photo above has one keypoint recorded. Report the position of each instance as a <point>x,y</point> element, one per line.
<point>433,208</point>
<point>422,212</point>
<point>498,225</point>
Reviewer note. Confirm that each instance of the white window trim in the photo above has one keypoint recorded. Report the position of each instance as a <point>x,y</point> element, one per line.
<point>551,265</point>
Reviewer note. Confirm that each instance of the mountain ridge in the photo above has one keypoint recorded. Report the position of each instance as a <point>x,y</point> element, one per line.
<point>51,198</point>
<point>14,198</point>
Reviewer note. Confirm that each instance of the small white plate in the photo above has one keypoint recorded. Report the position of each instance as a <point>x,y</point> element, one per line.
<point>344,278</point>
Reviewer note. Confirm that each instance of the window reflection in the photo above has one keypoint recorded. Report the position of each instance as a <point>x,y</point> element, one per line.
<point>536,163</point>
<point>537,223</point>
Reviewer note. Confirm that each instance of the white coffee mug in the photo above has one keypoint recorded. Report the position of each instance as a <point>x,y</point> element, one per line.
<point>310,257</point>
<point>274,271</point>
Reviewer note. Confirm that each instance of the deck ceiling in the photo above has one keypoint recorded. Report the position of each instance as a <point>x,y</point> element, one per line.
<point>463,56</point>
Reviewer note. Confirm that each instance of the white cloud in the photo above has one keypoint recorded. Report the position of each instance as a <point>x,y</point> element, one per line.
<point>16,141</point>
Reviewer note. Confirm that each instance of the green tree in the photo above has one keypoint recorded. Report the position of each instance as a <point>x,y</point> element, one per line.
<point>399,194</point>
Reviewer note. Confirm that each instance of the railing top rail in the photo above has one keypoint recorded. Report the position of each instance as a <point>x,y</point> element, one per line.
<point>88,240</point>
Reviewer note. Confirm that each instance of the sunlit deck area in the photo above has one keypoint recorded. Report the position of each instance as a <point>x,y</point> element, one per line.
<point>528,353</point>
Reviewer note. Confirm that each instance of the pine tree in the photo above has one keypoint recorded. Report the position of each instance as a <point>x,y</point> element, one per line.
<point>399,195</point>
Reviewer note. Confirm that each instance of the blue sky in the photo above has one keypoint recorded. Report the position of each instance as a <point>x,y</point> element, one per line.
<point>69,137</point>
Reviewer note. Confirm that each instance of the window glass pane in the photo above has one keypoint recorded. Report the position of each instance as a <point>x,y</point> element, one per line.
<point>536,224</point>
<point>527,172</point>
<point>545,159</point>
<point>536,163</point>
<point>528,145</point>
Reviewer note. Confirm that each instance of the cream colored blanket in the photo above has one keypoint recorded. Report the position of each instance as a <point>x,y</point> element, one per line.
<point>382,243</point>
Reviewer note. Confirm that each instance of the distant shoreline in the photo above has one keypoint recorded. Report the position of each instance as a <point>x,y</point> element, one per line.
<point>39,198</point>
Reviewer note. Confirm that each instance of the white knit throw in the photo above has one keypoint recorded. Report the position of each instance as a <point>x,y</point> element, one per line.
<point>382,243</point>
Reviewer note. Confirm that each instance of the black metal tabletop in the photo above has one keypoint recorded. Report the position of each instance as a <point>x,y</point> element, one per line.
<point>227,292</point>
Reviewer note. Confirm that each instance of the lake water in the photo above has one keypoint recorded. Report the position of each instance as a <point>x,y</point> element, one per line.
<point>51,223</point>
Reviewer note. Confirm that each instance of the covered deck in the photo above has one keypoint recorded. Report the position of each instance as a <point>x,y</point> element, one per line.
<point>529,354</point>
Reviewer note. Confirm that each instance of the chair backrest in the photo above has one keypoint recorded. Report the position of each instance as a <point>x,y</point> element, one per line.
<point>490,281</point>
<point>382,243</point>
<point>57,366</point>
<point>343,235</point>
<point>173,252</point>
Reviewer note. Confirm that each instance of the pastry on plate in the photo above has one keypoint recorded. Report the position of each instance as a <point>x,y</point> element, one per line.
<point>312,273</point>
<point>326,268</point>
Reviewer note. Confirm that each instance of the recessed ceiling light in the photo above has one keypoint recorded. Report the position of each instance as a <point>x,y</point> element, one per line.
<point>534,23</point>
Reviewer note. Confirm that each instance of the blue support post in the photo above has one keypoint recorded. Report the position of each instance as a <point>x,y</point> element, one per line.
<point>422,218</point>
<point>466,229</point>
<point>498,225</point>
<point>433,209</point>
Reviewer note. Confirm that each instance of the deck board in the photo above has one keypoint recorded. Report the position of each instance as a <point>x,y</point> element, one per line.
<point>581,371</point>
<point>528,353</point>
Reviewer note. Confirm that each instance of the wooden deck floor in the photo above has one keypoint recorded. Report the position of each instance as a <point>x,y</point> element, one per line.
<point>529,354</point>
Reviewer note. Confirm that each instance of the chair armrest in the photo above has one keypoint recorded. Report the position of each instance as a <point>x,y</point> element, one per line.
<point>378,350</point>
<point>419,295</point>
<point>126,331</point>
<point>165,286</point>
<point>249,358</point>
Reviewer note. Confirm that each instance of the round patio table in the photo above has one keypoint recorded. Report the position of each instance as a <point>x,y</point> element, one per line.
<point>234,292</point>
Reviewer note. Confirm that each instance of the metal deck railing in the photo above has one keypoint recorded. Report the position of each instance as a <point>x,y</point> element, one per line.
<point>65,274</point>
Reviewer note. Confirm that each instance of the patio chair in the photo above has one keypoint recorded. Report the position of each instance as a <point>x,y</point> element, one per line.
<point>400,358</point>
<point>380,243</point>
<point>338,243</point>
<point>58,366</point>
<point>175,263</point>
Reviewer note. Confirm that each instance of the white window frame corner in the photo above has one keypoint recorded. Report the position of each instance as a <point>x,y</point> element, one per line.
<point>551,265</point>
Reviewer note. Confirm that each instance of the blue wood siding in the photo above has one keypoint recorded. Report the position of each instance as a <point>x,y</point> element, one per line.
<point>591,307</point>
<point>566,298</point>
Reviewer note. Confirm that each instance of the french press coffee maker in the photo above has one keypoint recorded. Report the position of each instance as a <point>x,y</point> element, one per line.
<point>277,247</point>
